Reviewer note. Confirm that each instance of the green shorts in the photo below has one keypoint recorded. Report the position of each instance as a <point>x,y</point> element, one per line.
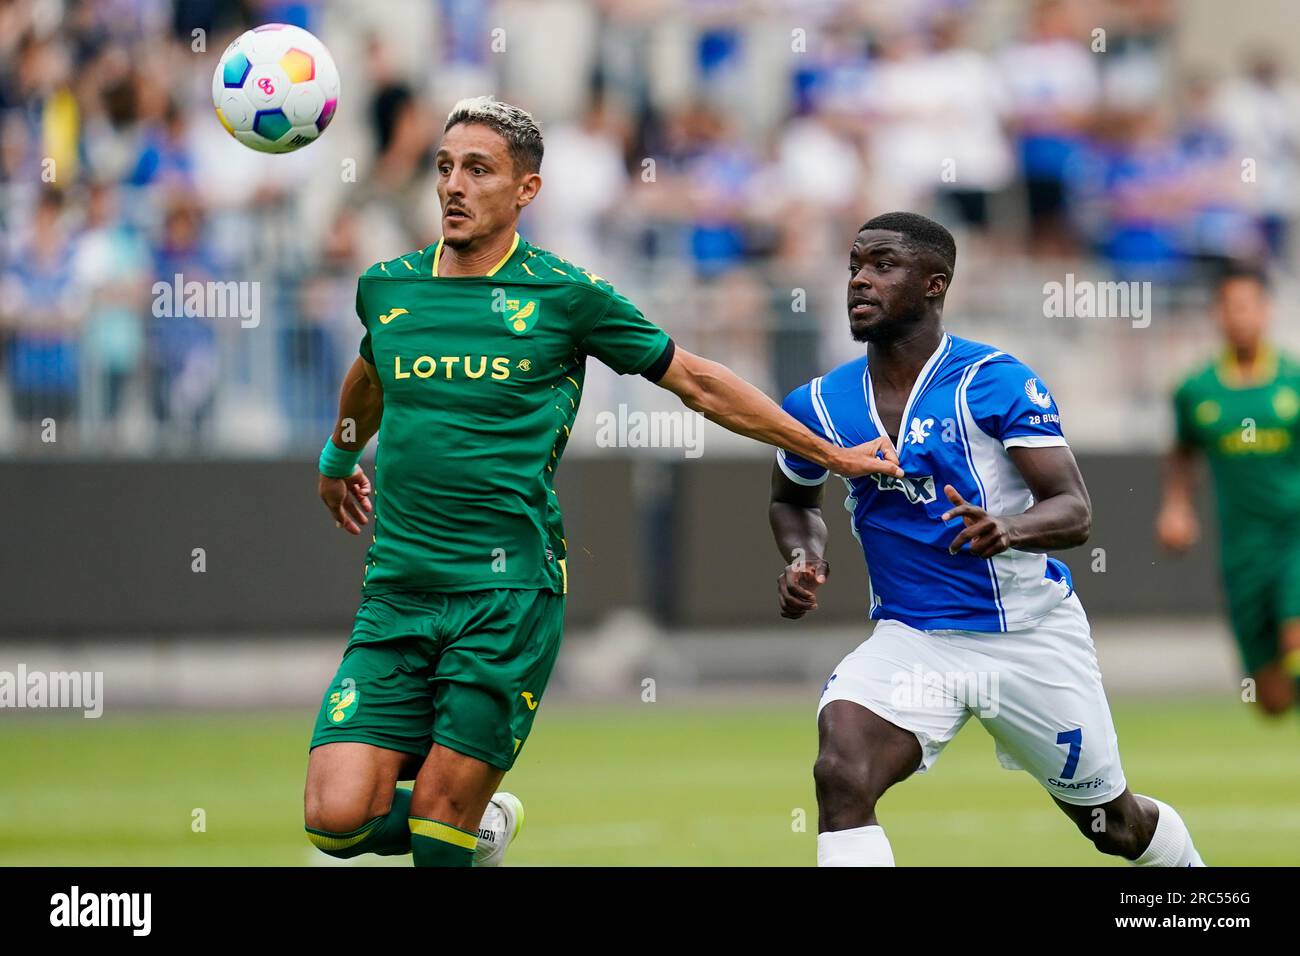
<point>1261,595</point>
<point>466,671</point>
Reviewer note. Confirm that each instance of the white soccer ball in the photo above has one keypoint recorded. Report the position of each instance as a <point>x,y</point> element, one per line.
<point>276,88</point>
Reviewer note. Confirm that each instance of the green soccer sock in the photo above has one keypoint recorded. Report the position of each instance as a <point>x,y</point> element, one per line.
<point>388,835</point>
<point>434,843</point>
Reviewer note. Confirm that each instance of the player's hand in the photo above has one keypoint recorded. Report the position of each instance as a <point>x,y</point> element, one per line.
<point>798,584</point>
<point>348,500</point>
<point>1176,526</point>
<point>873,457</point>
<point>987,534</point>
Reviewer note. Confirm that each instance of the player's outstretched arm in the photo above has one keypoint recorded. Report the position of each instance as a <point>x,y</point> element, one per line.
<point>722,396</point>
<point>1176,526</point>
<point>1060,517</point>
<point>361,407</point>
<point>795,514</point>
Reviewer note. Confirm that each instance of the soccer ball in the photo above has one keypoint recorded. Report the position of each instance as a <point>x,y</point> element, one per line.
<point>275,88</point>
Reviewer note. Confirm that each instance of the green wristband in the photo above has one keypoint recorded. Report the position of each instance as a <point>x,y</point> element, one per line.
<point>337,463</point>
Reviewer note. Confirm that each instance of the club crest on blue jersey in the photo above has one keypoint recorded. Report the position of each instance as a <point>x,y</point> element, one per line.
<point>919,431</point>
<point>1042,399</point>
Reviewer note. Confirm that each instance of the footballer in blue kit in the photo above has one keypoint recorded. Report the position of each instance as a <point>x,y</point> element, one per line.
<point>973,617</point>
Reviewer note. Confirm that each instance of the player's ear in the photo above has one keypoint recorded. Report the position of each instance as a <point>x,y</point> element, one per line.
<point>529,187</point>
<point>937,286</point>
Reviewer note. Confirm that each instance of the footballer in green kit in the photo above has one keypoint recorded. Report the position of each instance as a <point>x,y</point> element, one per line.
<point>470,372</point>
<point>1241,413</point>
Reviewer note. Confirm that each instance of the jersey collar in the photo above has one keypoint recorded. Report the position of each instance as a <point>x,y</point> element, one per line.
<point>437,256</point>
<point>1231,374</point>
<point>922,379</point>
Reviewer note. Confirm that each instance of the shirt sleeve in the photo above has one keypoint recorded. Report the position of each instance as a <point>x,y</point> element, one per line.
<point>1184,417</point>
<point>365,350</point>
<point>1012,404</point>
<point>624,339</point>
<point>799,406</point>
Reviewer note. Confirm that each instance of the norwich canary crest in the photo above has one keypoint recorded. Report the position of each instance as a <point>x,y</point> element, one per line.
<point>343,703</point>
<point>521,314</point>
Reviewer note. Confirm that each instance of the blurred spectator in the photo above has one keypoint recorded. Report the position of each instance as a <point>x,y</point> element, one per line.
<point>111,269</point>
<point>585,177</point>
<point>718,169</point>
<point>319,349</point>
<point>832,73</point>
<point>1138,176</point>
<point>819,176</point>
<point>972,124</point>
<point>183,360</point>
<point>1261,111</point>
<point>164,158</point>
<point>934,118</point>
<point>41,113</point>
<point>404,132</point>
<point>110,114</point>
<point>904,113</point>
<point>1136,68</point>
<point>42,315</point>
<point>1054,87</point>
<point>1221,227</point>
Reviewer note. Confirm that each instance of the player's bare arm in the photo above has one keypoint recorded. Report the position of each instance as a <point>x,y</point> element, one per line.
<point>795,514</point>
<point>361,407</point>
<point>1177,527</point>
<point>1061,516</point>
<point>722,396</point>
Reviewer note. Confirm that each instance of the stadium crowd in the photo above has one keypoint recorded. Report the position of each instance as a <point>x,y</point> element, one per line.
<point>712,164</point>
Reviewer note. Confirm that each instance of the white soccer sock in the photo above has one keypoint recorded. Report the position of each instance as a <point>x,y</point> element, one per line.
<point>861,846</point>
<point>1171,845</point>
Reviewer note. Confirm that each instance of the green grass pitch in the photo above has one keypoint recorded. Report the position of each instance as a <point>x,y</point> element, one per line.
<point>650,784</point>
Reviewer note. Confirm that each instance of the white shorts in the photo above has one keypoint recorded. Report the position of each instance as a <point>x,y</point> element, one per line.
<point>1036,691</point>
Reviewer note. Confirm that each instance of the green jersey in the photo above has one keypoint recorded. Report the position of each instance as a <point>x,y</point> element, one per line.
<point>1249,431</point>
<point>482,376</point>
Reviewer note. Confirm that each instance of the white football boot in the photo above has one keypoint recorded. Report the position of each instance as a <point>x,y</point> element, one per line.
<point>501,823</point>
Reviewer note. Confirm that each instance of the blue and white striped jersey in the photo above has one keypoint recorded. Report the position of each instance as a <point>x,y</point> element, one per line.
<point>970,403</point>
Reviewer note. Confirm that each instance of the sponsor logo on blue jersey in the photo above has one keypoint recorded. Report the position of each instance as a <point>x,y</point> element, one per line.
<point>917,490</point>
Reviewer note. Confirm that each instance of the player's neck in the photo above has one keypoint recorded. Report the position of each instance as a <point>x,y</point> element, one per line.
<point>1246,356</point>
<point>478,258</point>
<point>1249,362</point>
<point>898,362</point>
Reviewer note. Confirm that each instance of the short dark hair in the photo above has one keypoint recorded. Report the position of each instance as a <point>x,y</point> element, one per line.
<point>1237,269</point>
<point>920,232</point>
<point>516,126</point>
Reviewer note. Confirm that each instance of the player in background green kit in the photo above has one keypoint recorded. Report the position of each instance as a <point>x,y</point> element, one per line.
<point>1241,412</point>
<point>471,369</point>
